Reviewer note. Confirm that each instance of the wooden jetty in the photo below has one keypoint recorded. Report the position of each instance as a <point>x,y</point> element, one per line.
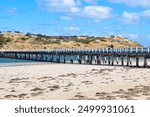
<point>99,56</point>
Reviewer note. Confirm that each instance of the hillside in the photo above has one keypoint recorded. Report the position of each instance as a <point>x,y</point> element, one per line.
<point>17,40</point>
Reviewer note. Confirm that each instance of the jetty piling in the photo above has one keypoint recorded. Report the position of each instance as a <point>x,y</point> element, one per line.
<point>97,56</point>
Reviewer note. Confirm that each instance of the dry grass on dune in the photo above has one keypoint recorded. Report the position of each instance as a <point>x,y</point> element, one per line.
<point>31,41</point>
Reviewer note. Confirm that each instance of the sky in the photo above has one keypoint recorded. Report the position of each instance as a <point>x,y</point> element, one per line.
<point>129,18</point>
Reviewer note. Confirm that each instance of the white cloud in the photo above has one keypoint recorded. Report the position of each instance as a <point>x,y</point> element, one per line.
<point>130,17</point>
<point>133,36</point>
<point>60,5</point>
<point>11,10</point>
<point>72,28</point>
<point>75,8</point>
<point>97,12</point>
<point>146,13</point>
<point>142,3</point>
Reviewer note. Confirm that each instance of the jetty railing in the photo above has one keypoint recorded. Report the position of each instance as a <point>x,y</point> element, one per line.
<point>110,56</point>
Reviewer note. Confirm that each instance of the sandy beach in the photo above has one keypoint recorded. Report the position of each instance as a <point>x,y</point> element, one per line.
<point>66,81</point>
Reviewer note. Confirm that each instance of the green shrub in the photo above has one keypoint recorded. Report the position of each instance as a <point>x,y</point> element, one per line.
<point>3,40</point>
<point>103,39</point>
<point>39,40</point>
<point>8,40</point>
<point>43,36</point>
<point>57,42</point>
<point>46,42</point>
<point>112,36</point>
<point>17,32</point>
<point>24,39</point>
<point>29,35</point>
<point>85,41</point>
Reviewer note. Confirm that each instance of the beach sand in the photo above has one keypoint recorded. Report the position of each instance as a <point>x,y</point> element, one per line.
<point>72,81</point>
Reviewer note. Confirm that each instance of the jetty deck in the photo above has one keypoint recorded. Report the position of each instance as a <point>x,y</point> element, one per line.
<point>99,56</point>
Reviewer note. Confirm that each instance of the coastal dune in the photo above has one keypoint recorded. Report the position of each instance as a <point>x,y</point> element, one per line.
<point>50,81</point>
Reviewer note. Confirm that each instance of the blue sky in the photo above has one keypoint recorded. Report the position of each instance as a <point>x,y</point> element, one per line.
<point>130,18</point>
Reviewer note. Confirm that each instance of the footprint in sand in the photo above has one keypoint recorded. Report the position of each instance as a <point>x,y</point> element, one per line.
<point>46,78</point>
<point>67,87</point>
<point>146,94</point>
<point>105,96</point>
<point>79,97</point>
<point>43,81</point>
<point>68,75</point>
<point>1,88</point>
<point>118,92</point>
<point>10,96</point>
<point>104,82</point>
<point>19,80</point>
<point>109,97</point>
<point>23,95</point>
<point>37,89</point>
<point>54,87</point>
<point>101,93</point>
<point>87,82</point>
<point>66,90</point>
<point>107,78</point>
<point>12,91</point>
<point>36,94</point>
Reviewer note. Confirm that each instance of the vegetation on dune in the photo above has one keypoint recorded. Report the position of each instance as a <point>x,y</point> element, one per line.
<point>42,40</point>
<point>85,41</point>
<point>57,42</point>
<point>24,38</point>
<point>43,36</point>
<point>3,40</point>
<point>28,40</point>
<point>112,36</point>
<point>103,39</point>
<point>29,35</point>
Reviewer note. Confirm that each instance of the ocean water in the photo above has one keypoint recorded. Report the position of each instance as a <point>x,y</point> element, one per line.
<point>14,62</point>
<point>8,60</point>
<point>19,62</point>
<point>4,62</point>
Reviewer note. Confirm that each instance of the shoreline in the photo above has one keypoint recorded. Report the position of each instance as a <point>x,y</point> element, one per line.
<point>21,64</point>
<point>21,61</point>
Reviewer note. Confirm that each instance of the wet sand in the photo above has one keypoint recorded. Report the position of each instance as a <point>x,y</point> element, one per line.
<point>67,81</point>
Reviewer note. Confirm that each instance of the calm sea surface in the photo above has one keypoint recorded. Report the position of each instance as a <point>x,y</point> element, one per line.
<point>17,62</point>
<point>14,62</point>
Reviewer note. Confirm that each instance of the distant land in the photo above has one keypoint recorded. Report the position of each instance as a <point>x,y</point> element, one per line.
<point>19,40</point>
